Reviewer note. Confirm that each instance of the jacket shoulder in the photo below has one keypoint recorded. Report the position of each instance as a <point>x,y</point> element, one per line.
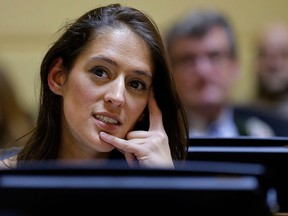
<point>256,123</point>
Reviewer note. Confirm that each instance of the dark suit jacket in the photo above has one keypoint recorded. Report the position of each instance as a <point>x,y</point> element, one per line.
<point>246,119</point>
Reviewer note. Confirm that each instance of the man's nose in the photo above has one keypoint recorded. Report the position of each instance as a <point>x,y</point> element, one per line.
<point>203,65</point>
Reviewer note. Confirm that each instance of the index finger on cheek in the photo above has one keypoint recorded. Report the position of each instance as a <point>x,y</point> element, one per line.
<point>155,114</point>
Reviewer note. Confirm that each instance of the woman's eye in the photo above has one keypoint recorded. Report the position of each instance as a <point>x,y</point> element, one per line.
<point>99,72</point>
<point>137,85</point>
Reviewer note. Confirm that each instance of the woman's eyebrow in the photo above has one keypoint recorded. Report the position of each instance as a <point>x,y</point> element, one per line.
<point>103,58</point>
<point>143,73</point>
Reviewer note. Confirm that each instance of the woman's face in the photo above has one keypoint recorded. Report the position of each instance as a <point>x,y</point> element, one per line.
<point>106,90</point>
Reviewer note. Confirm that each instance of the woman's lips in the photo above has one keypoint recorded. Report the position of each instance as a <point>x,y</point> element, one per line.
<point>106,123</point>
<point>106,119</point>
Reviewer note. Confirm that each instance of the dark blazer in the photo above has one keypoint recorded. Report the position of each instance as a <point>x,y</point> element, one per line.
<point>250,122</point>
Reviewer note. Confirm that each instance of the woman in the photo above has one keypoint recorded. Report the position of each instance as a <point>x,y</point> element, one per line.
<point>14,118</point>
<point>106,87</point>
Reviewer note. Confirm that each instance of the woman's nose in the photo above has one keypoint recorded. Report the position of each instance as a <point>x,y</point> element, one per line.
<point>116,92</point>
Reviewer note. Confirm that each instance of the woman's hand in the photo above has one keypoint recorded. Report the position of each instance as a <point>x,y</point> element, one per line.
<point>150,148</point>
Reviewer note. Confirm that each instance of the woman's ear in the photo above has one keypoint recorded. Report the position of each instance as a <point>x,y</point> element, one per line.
<point>56,77</point>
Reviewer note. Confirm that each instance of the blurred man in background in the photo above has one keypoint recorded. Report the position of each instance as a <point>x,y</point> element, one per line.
<point>203,52</point>
<point>271,68</point>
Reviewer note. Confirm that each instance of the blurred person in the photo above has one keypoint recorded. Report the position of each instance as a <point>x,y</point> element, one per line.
<point>271,67</point>
<point>203,51</point>
<point>15,121</point>
<point>107,92</point>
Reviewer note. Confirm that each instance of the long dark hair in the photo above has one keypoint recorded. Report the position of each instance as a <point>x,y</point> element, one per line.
<point>45,140</point>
